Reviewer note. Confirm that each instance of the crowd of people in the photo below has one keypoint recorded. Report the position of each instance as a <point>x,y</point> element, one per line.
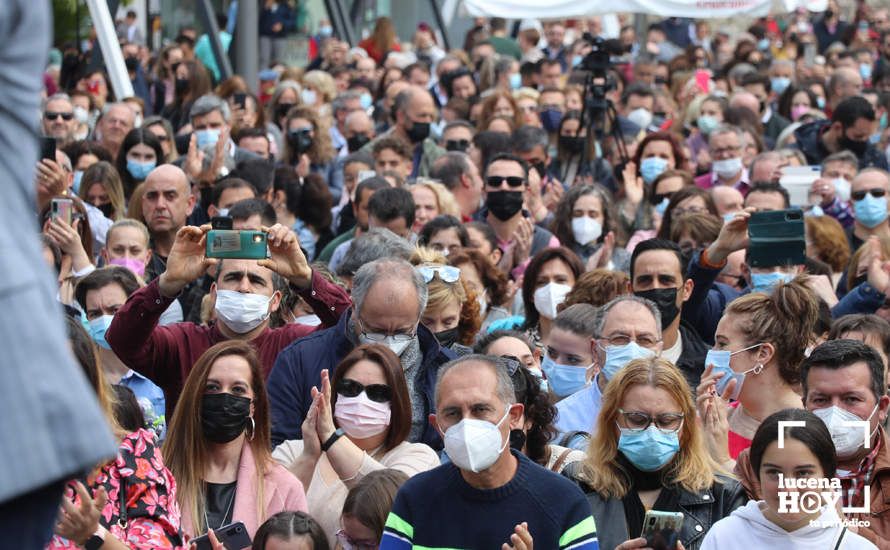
<point>486,318</point>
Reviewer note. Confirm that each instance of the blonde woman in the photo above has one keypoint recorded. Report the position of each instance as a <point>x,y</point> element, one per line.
<point>319,90</point>
<point>128,502</point>
<point>452,311</point>
<point>649,454</point>
<point>218,445</point>
<point>431,199</point>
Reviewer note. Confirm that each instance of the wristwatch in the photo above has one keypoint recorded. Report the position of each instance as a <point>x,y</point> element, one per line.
<point>338,433</point>
<point>97,540</point>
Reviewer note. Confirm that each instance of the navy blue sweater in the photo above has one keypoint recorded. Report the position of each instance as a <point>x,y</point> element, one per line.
<point>438,509</point>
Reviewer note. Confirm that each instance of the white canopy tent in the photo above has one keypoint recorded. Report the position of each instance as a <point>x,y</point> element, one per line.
<point>567,9</point>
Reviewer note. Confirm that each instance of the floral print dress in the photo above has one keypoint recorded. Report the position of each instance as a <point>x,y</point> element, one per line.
<point>152,513</point>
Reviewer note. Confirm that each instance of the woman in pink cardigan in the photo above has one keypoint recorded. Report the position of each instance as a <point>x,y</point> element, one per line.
<point>218,445</point>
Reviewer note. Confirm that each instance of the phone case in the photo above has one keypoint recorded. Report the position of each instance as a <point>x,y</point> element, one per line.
<point>776,238</point>
<point>662,529</point>
<point>233,536</point>
<point>242,245</point>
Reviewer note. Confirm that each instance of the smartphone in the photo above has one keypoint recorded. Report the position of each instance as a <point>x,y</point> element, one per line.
<point>776,238</point>
<point>365,174</point>
<point>241,245</point>
<point>662,529</point>
<point>221,222</point>
<point>703,80</point>
<point>798,180</point>
<point>240,99</point>
<point>233,536</point>
<point>48,148</point>
<point>62,208</point>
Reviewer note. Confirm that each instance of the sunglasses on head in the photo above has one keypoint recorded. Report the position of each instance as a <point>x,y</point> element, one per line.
<point>658,197</point>
<point>380,393</point>
<point>509,362</point>
<point>512,181</point>
<point>859,195</point>
<point>448,273</point>
<point>49,115</point>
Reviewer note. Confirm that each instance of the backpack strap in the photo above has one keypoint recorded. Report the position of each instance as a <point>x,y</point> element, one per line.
<point>560,461</point>
<point>840,538</point>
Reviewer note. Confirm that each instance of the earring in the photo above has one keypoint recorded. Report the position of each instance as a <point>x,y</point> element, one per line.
<point>252,429</point>
<point>758,368</point>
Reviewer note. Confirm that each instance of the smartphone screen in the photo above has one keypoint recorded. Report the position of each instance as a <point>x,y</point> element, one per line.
<point>48,148</point>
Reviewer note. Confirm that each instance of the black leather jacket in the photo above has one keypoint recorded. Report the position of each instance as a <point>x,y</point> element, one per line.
<point>700,511</point>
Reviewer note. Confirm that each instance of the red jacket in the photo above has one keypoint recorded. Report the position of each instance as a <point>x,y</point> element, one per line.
<point>165,355</point>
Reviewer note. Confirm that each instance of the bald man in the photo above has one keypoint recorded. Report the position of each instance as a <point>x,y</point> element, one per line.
<point>414,111</point>
<point>728,199</point>
<point>844,82</point>
<point>167,202</point>
<point>746,100</point>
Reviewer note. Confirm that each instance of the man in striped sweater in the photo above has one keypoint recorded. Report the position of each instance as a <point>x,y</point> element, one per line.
<point>488,496</point>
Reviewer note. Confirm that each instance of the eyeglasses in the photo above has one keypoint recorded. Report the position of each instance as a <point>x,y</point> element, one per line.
<point>50,115</point>
<point>349,544</point>
<point>448,273</point>
<point>637,421</point>
<point>380,337</point>
<point>677,212</point>
<point>512,181</point>
<point>380,393</point>
<point>859,195</point>
<point>725,151</point>
<point>645,340</point>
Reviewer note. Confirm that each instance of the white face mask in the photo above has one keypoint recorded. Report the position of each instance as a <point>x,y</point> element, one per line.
<point>241,312</point>
<point>847,438</point>
<point>641,117</point>
<point>586,229</point>
<point>727,168</point>
<point>474,444</point>
<point>548,297</point>
<point>308,97</point>
<point>396,345</point>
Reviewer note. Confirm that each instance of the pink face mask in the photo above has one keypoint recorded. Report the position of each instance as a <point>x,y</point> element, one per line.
<point>134,265</point>
<point>360,417</point>
<point>797,112</point>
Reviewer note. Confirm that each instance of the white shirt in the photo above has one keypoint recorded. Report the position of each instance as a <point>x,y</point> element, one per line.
<point>673,353</point>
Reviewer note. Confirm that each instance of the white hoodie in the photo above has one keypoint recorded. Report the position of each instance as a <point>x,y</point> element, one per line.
<point>746,528</point>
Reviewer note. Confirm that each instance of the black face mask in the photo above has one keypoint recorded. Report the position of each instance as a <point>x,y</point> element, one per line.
<point>666,301</point>
<point>447,338</point>
<point>541,168</point>
<point>418,131</point>
<point>282,109</point>
<point>856,147</point>
<point>356,142</point>
<point>517,439</point>
<point>572,144</point>
<point>181,86</point>
<point>300,141</point>
<point>132,63</point>
<point>107,209</point>
<point>224,416</point>
<point>503,205</point>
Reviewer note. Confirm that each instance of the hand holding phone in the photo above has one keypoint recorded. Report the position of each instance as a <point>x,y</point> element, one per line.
<point>231,537</point>
<point>662,529</point>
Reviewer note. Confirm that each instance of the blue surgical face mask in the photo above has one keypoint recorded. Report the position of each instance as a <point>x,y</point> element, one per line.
<point>619,356</point>
<point>764,282</point>
<point>365,100</point>
<point>651,168</point>
<point>720,361</point>
<point>515,81</point>
<point>98,326</point>
<point>140,170</point>
<point>207,137</point>
<point>78,174</point>
<point>650,449</point>
<point>865,71</point>
<point>707,124</point>
<point>576,60</point>
<point>564,380</point>
<point>763,44</point>
<point>820,102</point>
<point>780,83</point>
<point>870,211</point>
<point>662,206</point>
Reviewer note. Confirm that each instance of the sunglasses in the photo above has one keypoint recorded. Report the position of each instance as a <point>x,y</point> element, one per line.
<point>448,273</point>
<point>658,197</point>
<point>49,115</point>
<point>380,393</point>
<point>457,144</point>
<point>509,362</point>
<point>859,195</point>
<point>512,181</point>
